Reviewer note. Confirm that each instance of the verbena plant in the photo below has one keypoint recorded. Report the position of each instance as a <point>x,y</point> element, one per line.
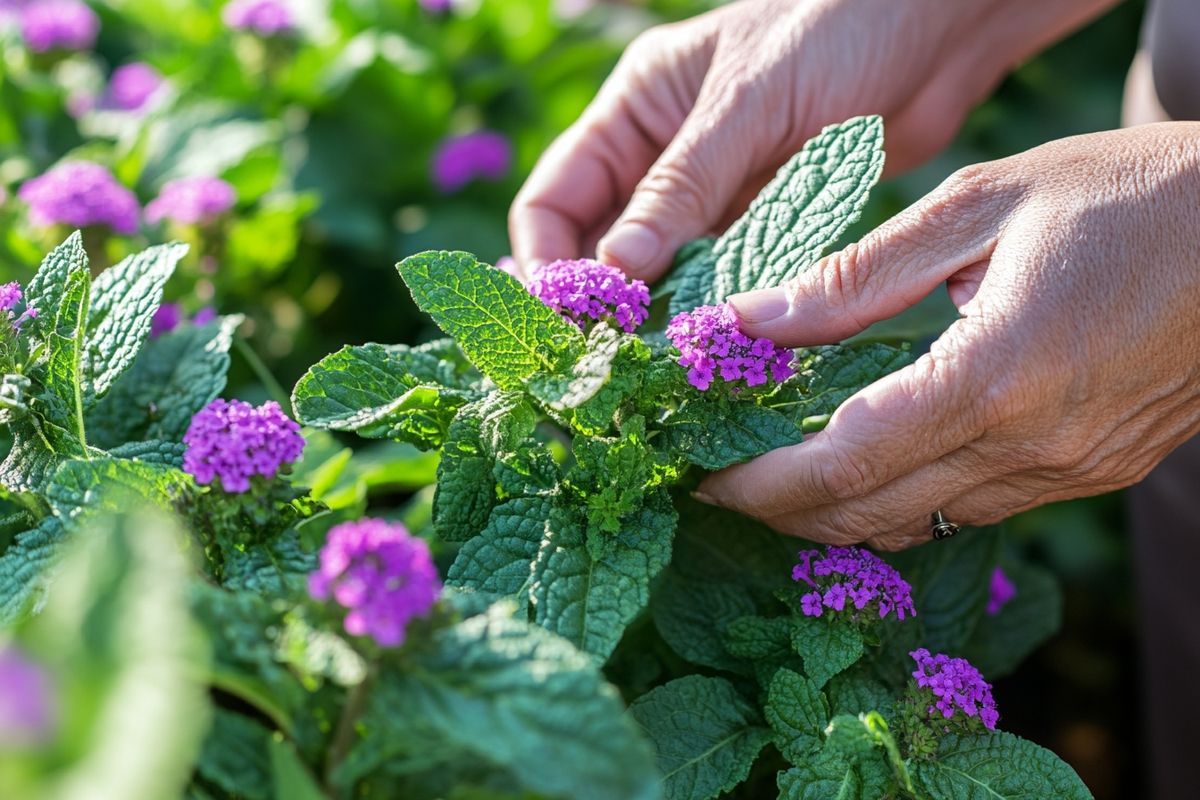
<point>578,570</point>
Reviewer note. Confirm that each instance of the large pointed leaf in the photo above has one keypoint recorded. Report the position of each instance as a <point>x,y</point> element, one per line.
<point>997,766</point>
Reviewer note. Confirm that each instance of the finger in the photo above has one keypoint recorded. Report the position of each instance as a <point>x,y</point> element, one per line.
<point>889,270</point>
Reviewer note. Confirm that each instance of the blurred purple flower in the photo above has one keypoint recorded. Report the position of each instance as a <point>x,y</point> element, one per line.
<point>234,441</point>
<point>710,342</point>
<point>584,290</point>
<point>80,194</point>
<point>10,297</point>
<point>462,159</point>
<point>191,201</point>
<point>165,319</point>
<point>263,17</point>
<point>204,316</point>
<point>1000,593</point>
<point>58,25</point>
<point>131,86</point>
<point>956,686</point>
<point>383,575</point>
<point>28,709</point>
<point>437,6</point>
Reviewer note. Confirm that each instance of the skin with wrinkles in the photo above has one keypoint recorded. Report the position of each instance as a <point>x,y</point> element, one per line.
<point>1073,370</point>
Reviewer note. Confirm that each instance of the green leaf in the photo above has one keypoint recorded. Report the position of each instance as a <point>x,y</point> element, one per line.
<point>151,451</point>
<point>45,289</point>
<point>291,778</point>
<point>856,691</point>
<point>498,692</point>
<point>37,450</point>
<point>506,332</point>
<point>798,713</point>
<point>174,376</point>
<point>952,603</point>
<point>804,210</point>
<point>693,273</point>
<point>590,602</point>
<point>608,372</point>
<point>691,616</point>
<point>760,638</point>
<point>715,435</point>
<point>852,765</point>
<point>996,766</point>
<point>124,299</point>
<point>236,756</point>
<point>826,646</point>
<point>110,485</point>
<point>466,490</point>
<point>272,569</point>
<point>64,351</point>
<point>1001,642</point>
<point>26,569</point>
<point>706,734</point>
<point>500,559</point>
<point>829,375</point>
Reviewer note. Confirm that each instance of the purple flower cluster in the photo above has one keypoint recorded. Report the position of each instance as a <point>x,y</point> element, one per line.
<point>1000,593</point>
<point>234,441</point>
<point>169,316</point>
<point>710,343</point>
<point>191,201</point>
<point>583,290</point>
<point>462,159</point>
<point>58,25</point>
<point>10,297</point>
<point>437,6</point>
<point>851,577</point>
<point>80,194</point>
<point>956,686</point>
<point>262,17</point>
<point>28,709</point>
<point>383,575</point>
<point>131,86</point>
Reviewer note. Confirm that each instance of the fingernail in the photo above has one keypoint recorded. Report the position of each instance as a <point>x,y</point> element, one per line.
<point>761,305</point>
<point>707,499</point>
<point>633,246</point>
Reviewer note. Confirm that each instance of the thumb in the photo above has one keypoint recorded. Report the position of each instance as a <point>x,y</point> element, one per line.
<point>686,191</point>
<point>888,271</point>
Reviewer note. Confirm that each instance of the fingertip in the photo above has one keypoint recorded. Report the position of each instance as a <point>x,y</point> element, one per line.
<point>634,247</point>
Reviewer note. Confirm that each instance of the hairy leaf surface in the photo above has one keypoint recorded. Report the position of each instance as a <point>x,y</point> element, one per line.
<point>715,435</point>
<point>997,766</point>
<point>500,559</point>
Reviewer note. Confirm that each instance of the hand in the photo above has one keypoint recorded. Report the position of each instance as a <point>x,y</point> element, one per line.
<point>697,116</point>
<point>1074,370</point>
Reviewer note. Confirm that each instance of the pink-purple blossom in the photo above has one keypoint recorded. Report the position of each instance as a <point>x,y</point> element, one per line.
<point>462,159</point>
<point>1001,592</point>
<point>131,86</point>
<point>58,25</point>
<point>844,578</point>
<point>711,345</point>
<point>437,6</point>
<point>262,17</point>
<point>28,705</point>
<point>191,201</point>
<point>11,297</point>
<point>166,319</point>
<point>233,441</point>
<point>381,574</point>
<point>80,194</point>
<point>584,291</point>
<point>956,686</point>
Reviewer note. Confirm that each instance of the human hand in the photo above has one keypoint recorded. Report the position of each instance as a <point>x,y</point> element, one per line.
<point>698,115</point>
<point>1074,370</point>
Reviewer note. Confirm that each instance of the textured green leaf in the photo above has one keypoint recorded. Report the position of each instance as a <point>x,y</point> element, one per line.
<point>506,332</point>
<point>952,599</point>
<point>506,420</point>
<point>271,569</point>
<point>466,490</point>
<point>826,646</point>
<point>152,451</point>
<point>529,472</point>
<point>692,274</point>
<point>37,450</point>
<point>857,691</point>
<point>26,569</point>
<point>1001,642</point>
<point>829,375</point>
<point>797,713</point>
<point>804,210</point>
<point>173,377</point>
<point>715,435</point>
<point>112,485</point>
<point>590,602</point>
<point>496,691</point>
<point>236,756</point>
<point>760,638</point>
<point>997,766</point>
<point>706,734</point>
<point>45,289</point>
<point>691,616</point>
<point>717,545</point>
<point>499,561</point>
<point>124,299</point>
<point>609,371</point>
<point>852,765</point>
<point>64,351</point>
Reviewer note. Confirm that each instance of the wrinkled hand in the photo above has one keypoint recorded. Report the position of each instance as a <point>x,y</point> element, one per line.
<point>698,115</point>
<point>1074,370</point>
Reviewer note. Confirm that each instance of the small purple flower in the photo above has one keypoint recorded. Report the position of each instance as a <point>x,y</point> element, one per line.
<point>165,319</point>
<point>11,297</point>
<point>710,341</point>
<point>234,441</point>
<point>131,86</point>
<point>437,6</point>
<point>80,194</point>
<point>58,25</point>
<point>851,575</point>
<point>204,316</point>
<point>383,575</point>
<point>191,201</point>
<point>262,17</point>
<point>28,708</point>
<point>584,290</point>
<point>1000,593</point>
<point>955,685</point>
<point>462,159</point>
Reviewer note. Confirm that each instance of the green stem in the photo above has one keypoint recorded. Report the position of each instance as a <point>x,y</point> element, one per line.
<point>343,736</point>
<point>273,387</point>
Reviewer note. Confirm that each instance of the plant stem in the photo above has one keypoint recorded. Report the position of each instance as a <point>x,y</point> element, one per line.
<point>273,387</point>
<point>343,735</point>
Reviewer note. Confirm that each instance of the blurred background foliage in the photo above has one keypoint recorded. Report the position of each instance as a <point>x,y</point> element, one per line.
<point>327,137</point>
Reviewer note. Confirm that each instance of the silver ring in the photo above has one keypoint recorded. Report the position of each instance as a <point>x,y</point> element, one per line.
<point>942,528</point>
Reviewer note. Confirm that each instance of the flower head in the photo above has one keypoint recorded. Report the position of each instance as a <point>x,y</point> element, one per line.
<point>583,290</point>
<point>711,344</point>
<point>462,159</point>
<point>27,702</point>
<point>956,686</point>
<point>80,194</point>
<point>262,17</point>
<point>1000,593</point>
<point>234,441</point>
<point>383,575</point>
<point>191,201</point>
<point>58,25</point>
<point>166,319</point>
<point>131,86</point>
<point>851,578</point>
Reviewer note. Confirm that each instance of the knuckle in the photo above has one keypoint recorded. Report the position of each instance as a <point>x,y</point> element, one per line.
<point>971,181</point>
<point>676,185</point>
<point>842,478</point>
